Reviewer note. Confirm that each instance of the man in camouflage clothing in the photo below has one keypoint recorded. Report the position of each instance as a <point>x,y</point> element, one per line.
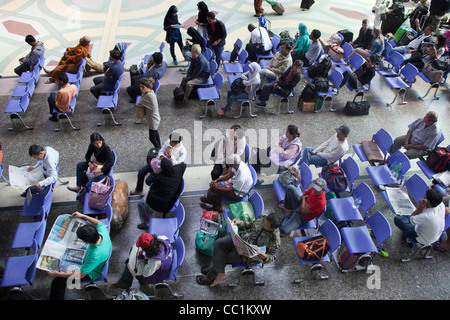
<point>263,231</point>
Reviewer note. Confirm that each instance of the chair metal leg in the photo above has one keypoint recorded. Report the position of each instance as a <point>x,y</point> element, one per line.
<point>395,98</point>
<point>249,104</point>
<point>17,116</point>
<point>106,111</point>
<point>164,285</point>
<point>66,116</point>
<point>248,272</point>
<point>208,103</point>
<point>415,250</point>
<point>403,96</point>
<point>283,100</point>
<point>433,86</point>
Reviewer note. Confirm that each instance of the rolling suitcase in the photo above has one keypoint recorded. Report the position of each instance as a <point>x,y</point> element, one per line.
<point>348,35</point>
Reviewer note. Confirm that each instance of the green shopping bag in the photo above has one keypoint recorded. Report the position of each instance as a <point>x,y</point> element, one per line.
<point>242,210</point>
<point>204,242</point>
<point>328,212</point>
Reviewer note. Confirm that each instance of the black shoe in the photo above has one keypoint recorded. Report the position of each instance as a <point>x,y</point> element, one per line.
<point>53,118</point>
<point>201,281</point>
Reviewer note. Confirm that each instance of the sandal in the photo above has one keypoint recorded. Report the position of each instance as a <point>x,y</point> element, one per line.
<point>49,81</point>
<point>202,281</point>
<point>439,248</point>
<point>205,270</point>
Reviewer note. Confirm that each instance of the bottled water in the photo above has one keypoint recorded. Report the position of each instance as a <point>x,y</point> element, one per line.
<point>357,203</point>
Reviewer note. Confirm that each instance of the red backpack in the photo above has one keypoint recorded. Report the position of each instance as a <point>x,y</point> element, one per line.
<point>438,159</point>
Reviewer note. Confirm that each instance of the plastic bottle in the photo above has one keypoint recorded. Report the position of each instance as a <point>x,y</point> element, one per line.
<point>357,203</point>
<point>395,170</point>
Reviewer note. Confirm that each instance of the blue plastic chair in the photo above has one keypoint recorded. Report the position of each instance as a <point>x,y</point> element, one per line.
<point>351,170</point>
<point>177,202</point>
<point>29,232</point>
<point>39,205</point>
<point>381,175</point>
<point>236,67</point>
<point>329,230</point>
<point>34,75</point>
<point>355,62</point>
<point>416,186</point>
<point>307,177</point>
<point>168,227</point>
<point>77,77</point>
<point>15,108</point>
<point>348,49</point>
<point>433,85</point>
<point>246,101</point>
<point>20,270</point>
<point>208,54</point>
<point>396,60</point>
<point>226,55</point>
<point>336,79</point>
<point>65,115</point>
<point>344,210</point>
<point>275,41</point>
<point>403,82</point>
<point>21,90</point>
<point>286,100</point>
<point>210,94</point>
<point>384,141</point>
<point>380,227</point>
<point>107,103</point>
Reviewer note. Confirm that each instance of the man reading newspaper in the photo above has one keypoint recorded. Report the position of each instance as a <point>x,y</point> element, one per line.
<point>243,247</point>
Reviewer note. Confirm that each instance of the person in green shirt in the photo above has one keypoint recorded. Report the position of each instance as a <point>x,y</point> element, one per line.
<point>96,235</point>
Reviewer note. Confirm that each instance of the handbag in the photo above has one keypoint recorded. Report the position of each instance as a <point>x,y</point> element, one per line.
<point>357,108</point>
<point>99,193</point>
<point>155,163</point>
<point>289,175</point>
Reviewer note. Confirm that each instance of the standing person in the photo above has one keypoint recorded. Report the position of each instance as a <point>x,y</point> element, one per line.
<point>112,75</point>
<point>61,100</point>
<point>306,4</point>
<point>48,159</point>
<point>148,107</point>
<point>259,10</point>
<point>202,20</point>
<point>102,164</point>
<point>96,236</point>
<point>29,61</point>
<point>251,80</point>
<point>217,34</point>
<point>150,261</point>
<point>365,36</point>
<point>379,9</point>
<point>303,42</point>
<point>259,42</point>
<point>330,151</point>
<point>173,35</point>
<point>426,224</point>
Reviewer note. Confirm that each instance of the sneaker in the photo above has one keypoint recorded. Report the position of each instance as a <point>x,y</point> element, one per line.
<point>261,104</point>
<point>259,181</point>
<point>139,121</point>
<point>175,62</point>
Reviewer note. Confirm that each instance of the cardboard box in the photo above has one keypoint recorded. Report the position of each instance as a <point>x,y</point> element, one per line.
<point>308,106</point>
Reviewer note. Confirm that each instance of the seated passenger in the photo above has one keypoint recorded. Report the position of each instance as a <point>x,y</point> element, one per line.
<point>376,47</point>
<point>28,62</point>
<point>362,76</point>
<point>150,261</point>
<point>278,65</point>
<point>61,100</point>
<point>104,160</point>
<point>48,159</point>
<point>315,48</point>
<point>259,43</point>
<point>112,75</point>
<point>365,36</point>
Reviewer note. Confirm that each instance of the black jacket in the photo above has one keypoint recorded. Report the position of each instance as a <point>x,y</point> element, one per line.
<point>365,74</point>
<point>103,155</point>
<point>220,32</point>
<point>364,39</point>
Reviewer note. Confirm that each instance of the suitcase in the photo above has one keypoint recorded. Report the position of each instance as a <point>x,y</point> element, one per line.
<point>278,8</point>
<point>306,4</point>
<point>178,95</point>
<point>347,261</point>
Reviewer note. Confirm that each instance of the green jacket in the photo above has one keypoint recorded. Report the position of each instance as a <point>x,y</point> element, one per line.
<point>269,239</point>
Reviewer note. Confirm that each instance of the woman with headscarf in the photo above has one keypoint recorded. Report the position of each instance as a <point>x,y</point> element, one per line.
<point>303,41</point>
<point>250,80</point>
<point>173,35</point>
<point>150,261</point>
<point>196,38</point>
<point>201,21</point>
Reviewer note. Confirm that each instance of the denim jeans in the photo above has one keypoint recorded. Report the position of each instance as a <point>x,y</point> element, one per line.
<point>402,222</point>
<point>293,201</point>
<point>232,98</point>
<point>309,158</point>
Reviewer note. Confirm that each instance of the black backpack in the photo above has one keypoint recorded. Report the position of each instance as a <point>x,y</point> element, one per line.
<point>152,153</point>
<point>319,69</point>
<point>308,94</point>
<point>234,53</point>
<point>335,178</point>
<point>321,84</point>
<point>237,87</point>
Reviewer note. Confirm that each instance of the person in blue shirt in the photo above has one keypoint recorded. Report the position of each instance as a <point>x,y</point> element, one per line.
<point>197,73</point>
<point>108,81</point>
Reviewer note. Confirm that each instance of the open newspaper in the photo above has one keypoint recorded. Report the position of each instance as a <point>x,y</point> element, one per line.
<point>242,247</point>
<point>63,248</point>
<point>400,201</point>
<point>443,178</point>
<point>20,179</point>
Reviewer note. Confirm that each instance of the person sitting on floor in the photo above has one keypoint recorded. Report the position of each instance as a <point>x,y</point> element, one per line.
<point>232,143</point>
<point>251,80</point>
<point>29,61</point>
<point>426,224</point>
<point>61,100</point>
<point>300,209</point>
<point>70,62</point>
<point>283,86</point>
<point>150,261</point>
<point>236,189</point>
<point>262,232</point>
<point>423,134</point>
<point>328,152</point>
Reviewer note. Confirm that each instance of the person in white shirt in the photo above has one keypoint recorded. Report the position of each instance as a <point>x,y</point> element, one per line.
<point>259,43</point>
<point>48,160</point>
<point>414,45</point>
<point>426,224</point>
<point>238,187</point>
<point>174,149</point>
<point>330,151</point>
<point>232,143</point>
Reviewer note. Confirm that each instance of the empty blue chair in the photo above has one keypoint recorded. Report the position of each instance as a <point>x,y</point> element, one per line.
<point>107,103</point>
<point>22,90</point>
<point>351,171</point>
<point>39,205</point>
<point>329,230</point>
<point>275,41</point>
<point>226,55</point>
<point>380,228</point>
<point>416,186</point>
<point>344,209</point>
<point>236,67</point>
<point>382,176</point>
<point>15,108</point>
<point>20,270</point>
<point>168,227</point>
<point>29,232</point>
<point>384,141</point>
<point>336,79</point>
<point>208,54</point>
<point>210,94</point>
<point>396,60</point>
<point>433,85</point>
<point>403,82</point>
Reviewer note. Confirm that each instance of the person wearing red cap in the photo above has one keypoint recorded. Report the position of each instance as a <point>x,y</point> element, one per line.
<point>150,261</point>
